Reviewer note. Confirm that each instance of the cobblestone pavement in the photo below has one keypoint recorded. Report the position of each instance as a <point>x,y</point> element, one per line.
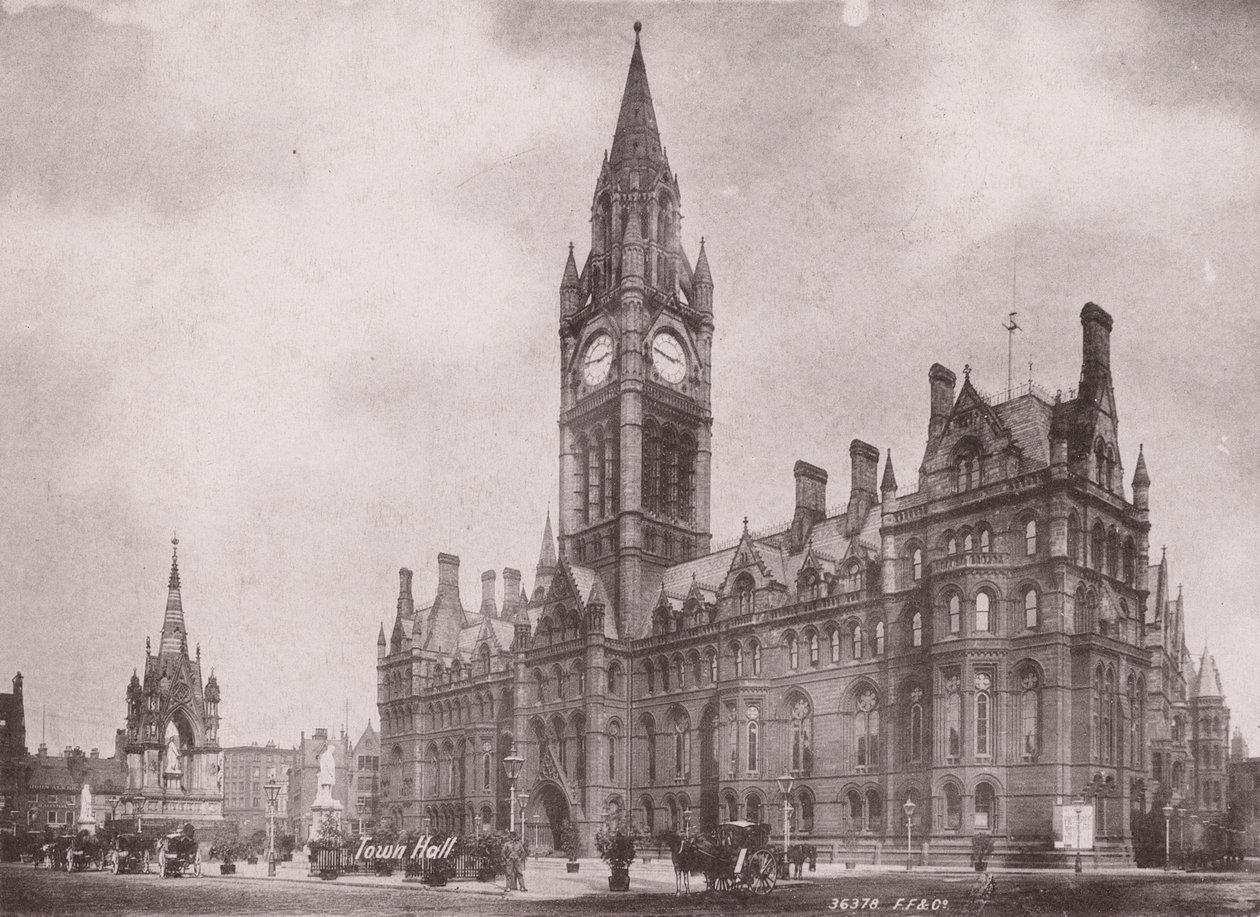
<point>24,890</point>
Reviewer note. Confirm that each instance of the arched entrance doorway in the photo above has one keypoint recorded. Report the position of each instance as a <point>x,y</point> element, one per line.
<point>546,814</point>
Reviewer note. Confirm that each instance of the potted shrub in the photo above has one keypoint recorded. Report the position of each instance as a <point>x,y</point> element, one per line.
<point>227,851</point>
<point>570,840</point>
<point>981,850</point>
<point>616,846</point>
<point>487,850</point>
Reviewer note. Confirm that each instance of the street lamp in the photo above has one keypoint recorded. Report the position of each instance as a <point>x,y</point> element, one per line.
<point>785,787</point>
<point>908,807</point>
<point>1168,810</point>
<point>512,764</point>
<point>1078,806</point>
<point>272,786</point>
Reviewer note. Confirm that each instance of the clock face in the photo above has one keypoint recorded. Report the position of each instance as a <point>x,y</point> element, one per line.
<point>669,358</point>
<point>598,360</point>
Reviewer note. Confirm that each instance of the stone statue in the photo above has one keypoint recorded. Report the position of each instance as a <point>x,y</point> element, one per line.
<point>172,756</point>
<point>85,804</point>
<point>218,771</point>
<point>327,777</point>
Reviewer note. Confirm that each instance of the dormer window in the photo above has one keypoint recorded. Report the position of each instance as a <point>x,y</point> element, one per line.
<point>744,593</point>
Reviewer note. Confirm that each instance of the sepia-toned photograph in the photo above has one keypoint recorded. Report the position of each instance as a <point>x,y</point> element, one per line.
<point>570,458</point>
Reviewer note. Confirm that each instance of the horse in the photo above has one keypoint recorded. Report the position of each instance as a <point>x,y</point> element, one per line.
<point>687,858</point>
<point>797,855</point>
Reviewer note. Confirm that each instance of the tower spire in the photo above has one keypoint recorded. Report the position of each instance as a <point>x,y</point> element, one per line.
<point>636,141</point>
<point>173,632</point>
<point>547,554</point>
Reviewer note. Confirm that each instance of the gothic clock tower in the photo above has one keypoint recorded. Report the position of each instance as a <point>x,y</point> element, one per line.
<point>636,337</point>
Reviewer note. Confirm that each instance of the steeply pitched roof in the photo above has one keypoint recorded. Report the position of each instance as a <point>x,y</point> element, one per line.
<point>637,141</point>
<point>1207,681</point>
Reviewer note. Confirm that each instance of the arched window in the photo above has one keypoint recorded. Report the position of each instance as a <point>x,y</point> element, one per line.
<point>744,592</point>
<point>801,725</point>
<point>662,666</point>
<point>856,813</point>
<point>983,601</point>
<point>596,457</point>
<point>711,663</point>
<point>649,814</point>
<point>540,684</point>
<point>679,670</point>
<point>1030,538</point>
<point>916,724</point>
<point>874,810</point>
<point>805,805</point>
<point>866,728</point>
<point>737,659</point>
<point>614,740</point>
<point>434,770</point>
<point>754,808</point>
<point>585,456</point>
<point>793,653</point>
<point>953,807</point>
<point>1113,553</point>
<point>614,678</point>
<point>968,544</point>
<point>751,732</point>
<point>916,629</point>
<point>1030,713</point>
<point>486,769</point>
<point>756,659</point>
<point>562,681</point>
<point>953,718</point>
<point>835,644</point>
<point>813,649</point>
<point>697,672</point>
<point>951,546</point>
<point>986,807</point>
<point>732,807</point>
<point>1074,538</point>
<point>649,734</point>
<point>1130,561</point>
<point>855,641</point>
<point>1096,741</point>
<point>986,540</point>
<point>955,613</point>
<point>879,638</point>
<point>983,723</point>
<point>651,465</point>
<point>1098,539</point>
<point>916,564</point>
<point>650,672</point>
<point>682,748</point>
<point>1030,608</point>
<point>1130,715</point>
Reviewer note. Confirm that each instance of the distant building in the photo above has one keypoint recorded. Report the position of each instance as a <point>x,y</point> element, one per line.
<point>53,787</point>
<point>246,771</point>
<point>12,760</point>
<point>171,741</point>
<point>365,778</point>
<point>1244,792</point>
<point>304,779</point>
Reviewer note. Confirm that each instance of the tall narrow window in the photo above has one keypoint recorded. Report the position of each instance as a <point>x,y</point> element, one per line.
<point>953,722</point>
<point>711,659</point>
<point>982,723</point>
<point>611,497</point>
<point>801,726</point>
<point>968,544</point>
<point>756,659</point>
<point>985,541</point>
<point>614,736</point>
<point>793,653</point>
<point>855,638</point>
<point>1074,538</point>
<point>1030,538</point>
<point>485,771</point>
<point>737,657</point>
<point>595,477</point>
<point>835,644</point>
<point>955,614</point>
<point>916,564</point>
<point>916,724</point>
<point>916,629</point>
<point>985,807</point>
<point>751,745</point>
<point>951,546</point>
<point>680,749</point>
<point>651,466</point>
<point>651,750</point>
<point>584,459</point>
<point>813,649</point>
<point>953,807</point>
<point>879,638</point>
<point>866,728</point>
<point>1030,608</point>
<point>982,612</point>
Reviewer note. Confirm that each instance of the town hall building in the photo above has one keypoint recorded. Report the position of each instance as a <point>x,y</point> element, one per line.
<point>989,640</point>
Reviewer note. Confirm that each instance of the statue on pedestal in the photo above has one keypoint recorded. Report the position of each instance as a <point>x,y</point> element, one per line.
<point>327,778</point>
<point>172,756</point>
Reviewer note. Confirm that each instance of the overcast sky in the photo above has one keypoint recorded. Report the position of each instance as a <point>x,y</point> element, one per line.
<point>284,277</point>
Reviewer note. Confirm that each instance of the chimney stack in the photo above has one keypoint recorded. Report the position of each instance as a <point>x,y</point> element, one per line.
<point>941,381</point>
<point>863,487</point>
<point>811,501</point>
<point>1095,349</point>
<point>448,578</point>
<point>487,594</point>
<point>406,603</point>
<point>511,591</point>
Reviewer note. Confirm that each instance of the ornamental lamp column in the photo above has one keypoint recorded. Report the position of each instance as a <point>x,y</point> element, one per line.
<point>908,807</point>
<point>1168,811</point>
<point>512,764</point>
<point>272,787</point>
<point>785,787</point>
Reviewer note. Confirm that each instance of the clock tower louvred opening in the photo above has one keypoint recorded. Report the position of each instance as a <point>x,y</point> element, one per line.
<point>636,334</point>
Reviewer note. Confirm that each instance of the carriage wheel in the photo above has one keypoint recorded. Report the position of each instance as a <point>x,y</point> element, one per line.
<point>720,881</point>
<point>762,872</point>
<point>114,865</point>
<point>197,865</point>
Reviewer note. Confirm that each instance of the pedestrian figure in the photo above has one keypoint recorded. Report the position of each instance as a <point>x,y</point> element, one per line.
<point>986,888</point>
<point>514,863</point>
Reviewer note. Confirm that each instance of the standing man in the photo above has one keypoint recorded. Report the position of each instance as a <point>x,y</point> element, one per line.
<point>514,861</point>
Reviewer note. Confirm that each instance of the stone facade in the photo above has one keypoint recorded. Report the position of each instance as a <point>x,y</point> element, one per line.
<point>987,643</point>
<point>246,771</point>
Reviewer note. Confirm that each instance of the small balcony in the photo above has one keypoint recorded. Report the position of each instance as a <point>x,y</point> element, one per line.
<point>967,561</point>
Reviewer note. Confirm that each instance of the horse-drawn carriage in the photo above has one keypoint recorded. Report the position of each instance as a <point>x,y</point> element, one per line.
<point>179,854</point>
<point>130,853</point>
<point>737,856</point>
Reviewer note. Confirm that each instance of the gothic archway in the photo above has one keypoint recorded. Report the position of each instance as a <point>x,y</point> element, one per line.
<point>547,812</point>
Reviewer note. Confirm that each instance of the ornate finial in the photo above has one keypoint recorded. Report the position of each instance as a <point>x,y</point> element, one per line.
<point>1163,551</point>
<point>199,651</point>
<point>638,27</point>
<point>570,248</point>
<point>702,241</point>
<point>745,525</point>
<point>1058,396</point>
<point>967,371</point>
<point>148,647</point>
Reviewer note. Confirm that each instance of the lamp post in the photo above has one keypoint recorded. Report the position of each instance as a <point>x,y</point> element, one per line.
<point>1168,810</point>
<point>1078,807</point>
<point>785,787</point>
<point>512,764</point>
<point>908,807</point>
<point>272,787</point>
